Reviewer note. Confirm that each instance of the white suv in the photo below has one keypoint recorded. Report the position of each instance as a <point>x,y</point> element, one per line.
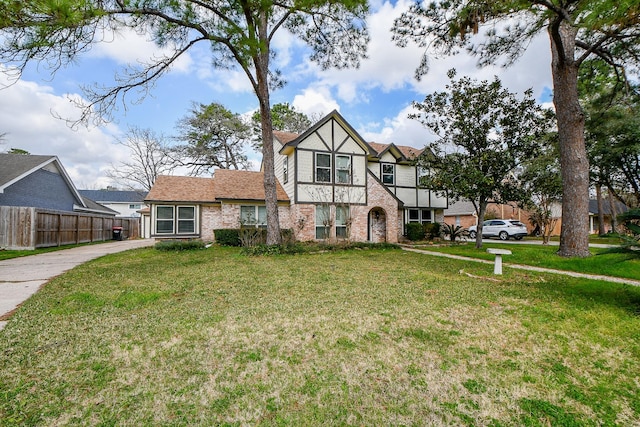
<point>501,228</point>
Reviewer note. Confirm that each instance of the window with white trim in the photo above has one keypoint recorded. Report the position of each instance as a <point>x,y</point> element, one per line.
<point>175,219</point>
<point>323,222</point>
<point>285,170</point>
<point>342,219</point>
<point>343,169</point>
<point>255,216</point>
<point>388,173</point>
<point>323,167</point>
<point>422,216</point>
<point>135,206</point>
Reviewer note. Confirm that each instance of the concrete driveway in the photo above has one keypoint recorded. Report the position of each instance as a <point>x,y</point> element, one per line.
<point>22,277</point>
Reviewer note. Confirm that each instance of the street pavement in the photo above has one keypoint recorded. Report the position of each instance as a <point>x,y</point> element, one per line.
<point>22,277</point>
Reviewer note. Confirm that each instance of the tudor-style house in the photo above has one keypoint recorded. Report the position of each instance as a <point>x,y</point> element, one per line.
<point>332,184</point>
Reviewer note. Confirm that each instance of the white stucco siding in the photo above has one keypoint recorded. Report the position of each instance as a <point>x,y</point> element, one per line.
<point>305,166</point>
<point>309,193</point>
<point>350,146</point>
<point>423,198</point>
<point>388,158</point>
<point>407,195</point>
<point>405,176</point>
<point>374,167</point>
<point>350,195</point>
<point>325,132</point>
<point>359,169</point>
<point>438,201</point>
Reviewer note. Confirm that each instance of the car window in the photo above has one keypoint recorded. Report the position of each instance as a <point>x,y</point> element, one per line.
<point>497,222</point>
<point>518,223</point>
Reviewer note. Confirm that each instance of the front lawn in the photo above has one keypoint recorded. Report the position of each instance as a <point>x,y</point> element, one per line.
<point>604,261</point>
<point>365,337</point>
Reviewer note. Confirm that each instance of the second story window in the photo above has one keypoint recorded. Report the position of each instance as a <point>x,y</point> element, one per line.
<point>323,167</point>
<point>388,173</point>
<point>285,170</point>
<point>343,169</point>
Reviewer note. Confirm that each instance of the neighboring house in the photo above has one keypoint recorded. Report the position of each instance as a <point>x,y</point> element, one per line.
<point>606,210</point>
<point>463,213</point>
<point>330,184</point>
<point>42,182</point>
<point>126,203</point>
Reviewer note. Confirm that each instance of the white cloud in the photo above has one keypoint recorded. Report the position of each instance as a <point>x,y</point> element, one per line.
<point>315,100</point>
<point>128,47</point>
<point>400,130</point>
<point>26,118</point>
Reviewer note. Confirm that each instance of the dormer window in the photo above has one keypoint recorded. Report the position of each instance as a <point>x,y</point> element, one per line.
<point>388,173</point>
<point>323,167</point>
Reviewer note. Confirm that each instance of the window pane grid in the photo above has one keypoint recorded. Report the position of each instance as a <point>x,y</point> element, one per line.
<point>323,167</point>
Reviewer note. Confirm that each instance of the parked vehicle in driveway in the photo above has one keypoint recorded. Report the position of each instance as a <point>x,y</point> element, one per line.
<point>504,229</point>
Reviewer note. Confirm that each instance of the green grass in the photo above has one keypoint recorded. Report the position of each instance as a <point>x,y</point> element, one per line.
<point>376,337</point>
<point>9,254</point>
<point>604,261</point>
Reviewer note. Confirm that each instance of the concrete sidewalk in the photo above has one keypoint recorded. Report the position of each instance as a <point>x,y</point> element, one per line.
<point>528,267</point>
<point>22,277</point>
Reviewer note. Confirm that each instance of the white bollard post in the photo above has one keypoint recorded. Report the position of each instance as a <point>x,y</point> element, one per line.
<point>497,267</point>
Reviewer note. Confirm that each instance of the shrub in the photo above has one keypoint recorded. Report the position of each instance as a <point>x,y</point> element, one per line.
<point>432,230</point>
<point>248,236</point>
<point>311,247</point>
<point>454,231</point>
<point>227,236</point>
<point>179,245</point>
<point>415,231</point>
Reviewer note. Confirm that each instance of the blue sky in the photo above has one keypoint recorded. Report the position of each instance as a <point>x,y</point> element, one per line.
<point>375,98</point>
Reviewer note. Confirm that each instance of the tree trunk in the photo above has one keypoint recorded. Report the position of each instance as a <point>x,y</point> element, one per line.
<point>614,214</point>
<point>574,165</point>
<point>601,229</point>
<point>271,196</point>
<point>482,209</point>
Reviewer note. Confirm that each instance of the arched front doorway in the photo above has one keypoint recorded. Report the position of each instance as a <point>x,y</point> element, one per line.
<point>377,225</point>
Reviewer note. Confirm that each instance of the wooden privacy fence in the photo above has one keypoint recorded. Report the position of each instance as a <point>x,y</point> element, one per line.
<point>30,228</point>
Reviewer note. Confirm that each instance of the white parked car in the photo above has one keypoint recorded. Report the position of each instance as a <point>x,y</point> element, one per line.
<point>501,228</point>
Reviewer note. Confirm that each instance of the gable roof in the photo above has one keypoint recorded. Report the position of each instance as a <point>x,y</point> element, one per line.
<point>461,207</point>
<point>15,167</point>
<point>402,152</point>
<point>285,137</point>
<point>114,196</point>
<point>334,115</point>
<point>225,185</point>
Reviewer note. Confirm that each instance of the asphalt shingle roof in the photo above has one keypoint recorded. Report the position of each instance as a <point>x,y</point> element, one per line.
<point>14,165</point>
<point>106,196</point>
<point>225,185</point>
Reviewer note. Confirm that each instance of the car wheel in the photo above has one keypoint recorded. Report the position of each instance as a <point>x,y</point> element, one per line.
<point>503,235</point>
<point>518,237</point>
<point>472,234</point>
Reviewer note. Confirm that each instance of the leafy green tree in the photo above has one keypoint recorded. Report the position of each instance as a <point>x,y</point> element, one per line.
<point>284,117</point>
<point>18,151</point>
<point>213,137</point>
<point>613,131</point>
<point>484,133</point>
<point>238,33</point>
<point>577,29</point>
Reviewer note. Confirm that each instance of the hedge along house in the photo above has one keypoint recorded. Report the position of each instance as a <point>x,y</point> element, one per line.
<point>331,185</point>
